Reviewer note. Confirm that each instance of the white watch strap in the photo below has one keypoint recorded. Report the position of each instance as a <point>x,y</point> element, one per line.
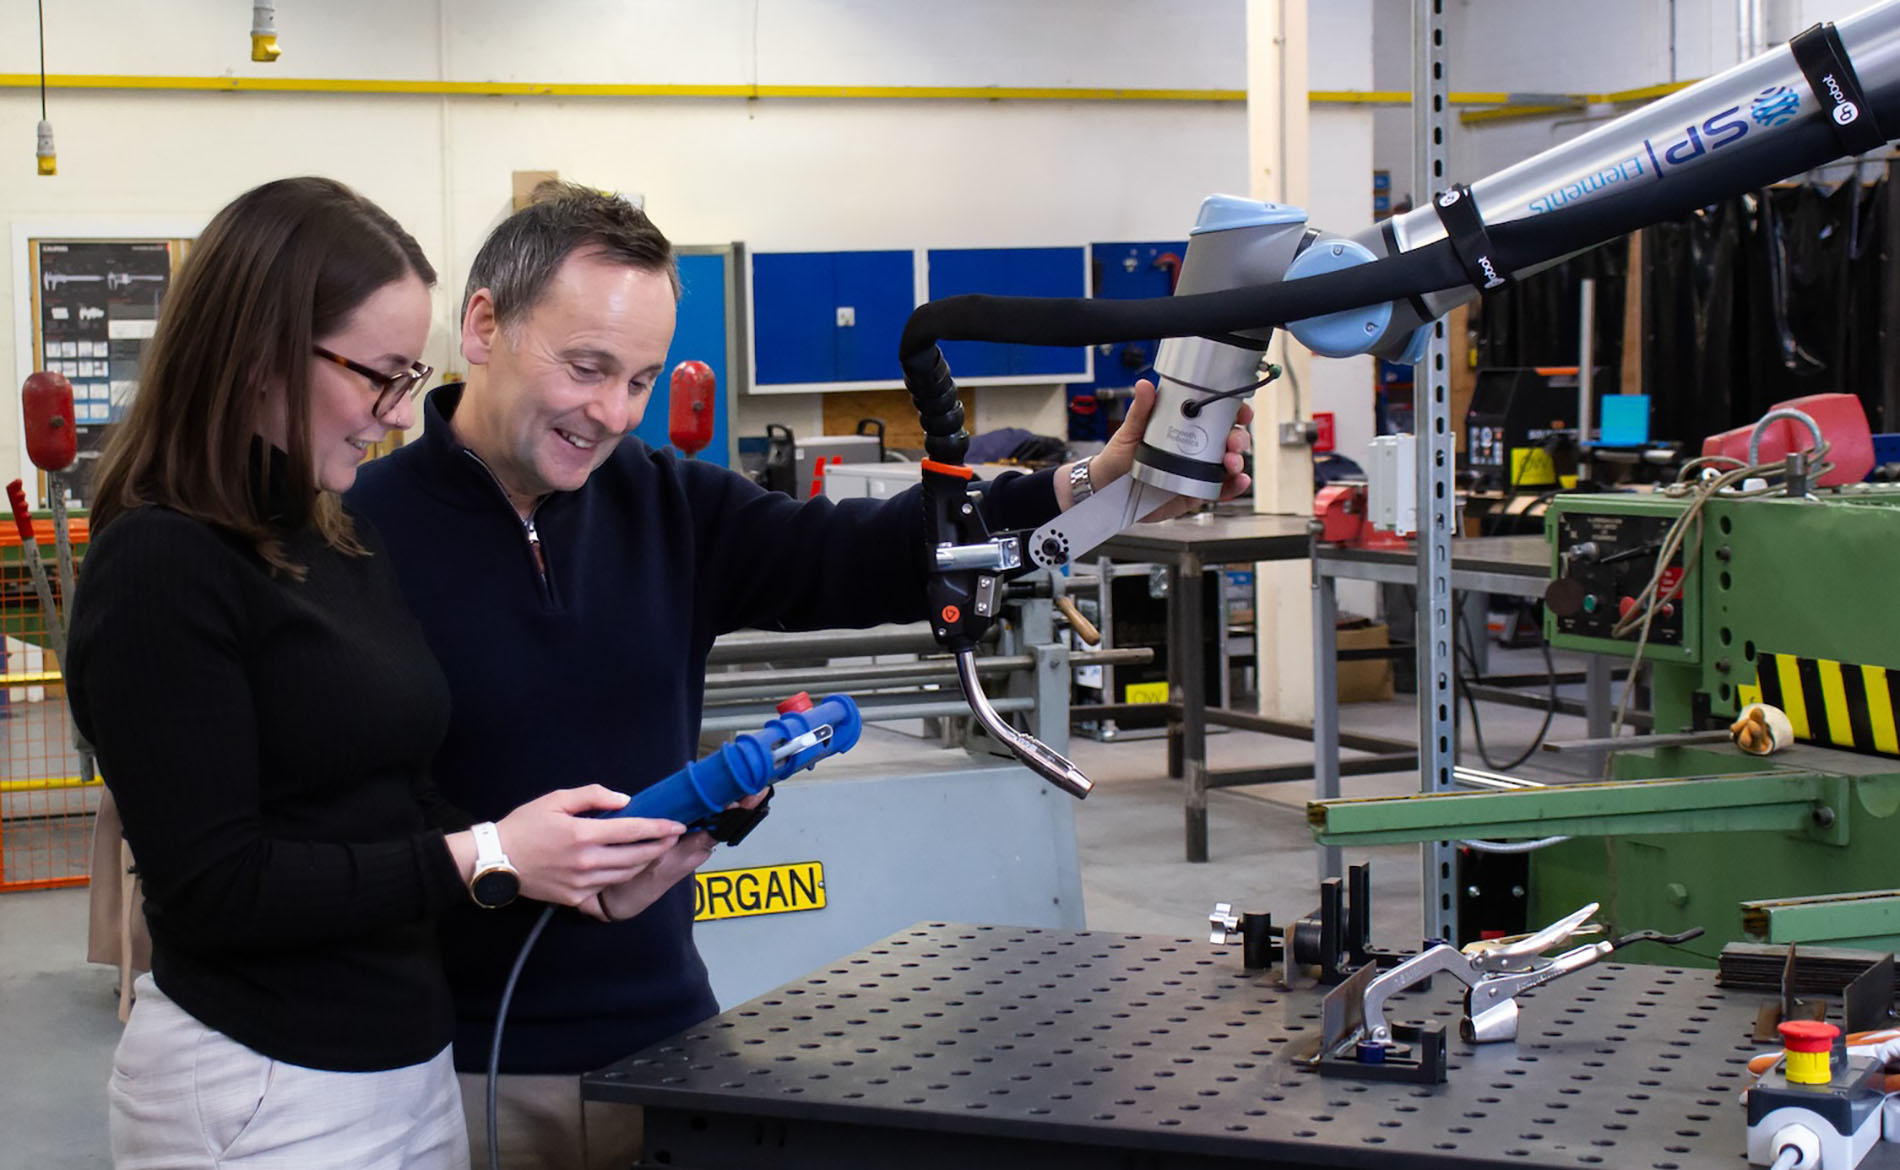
<point>488,851</point>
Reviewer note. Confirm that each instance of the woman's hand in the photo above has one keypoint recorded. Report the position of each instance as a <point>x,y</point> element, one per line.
<point>567,858</point>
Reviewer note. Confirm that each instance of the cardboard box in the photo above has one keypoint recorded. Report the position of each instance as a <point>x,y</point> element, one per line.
<point>1366,680</point>
<point>525,182</point>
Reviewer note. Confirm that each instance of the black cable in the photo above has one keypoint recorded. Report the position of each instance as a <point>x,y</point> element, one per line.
<point>1463,687</point>
<point>1195,407</point>
<point>501,1017</point>
<point>42,6</point>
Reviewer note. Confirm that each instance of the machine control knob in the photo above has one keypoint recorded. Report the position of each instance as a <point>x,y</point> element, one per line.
<point>1625,606</point>
<point>1587,550</point>
<point>1565,597</point>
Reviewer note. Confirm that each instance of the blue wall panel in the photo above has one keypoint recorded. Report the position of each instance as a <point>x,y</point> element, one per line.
<point>794,315</point>
<point>882,288</point>
<point>1025,272</point>
<point>955,271</point>
<point>1047,272</point>
<point>701,335</point>
<point>1122,271</point>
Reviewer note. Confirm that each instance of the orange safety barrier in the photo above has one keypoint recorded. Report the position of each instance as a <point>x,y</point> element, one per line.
<point>47,799</point>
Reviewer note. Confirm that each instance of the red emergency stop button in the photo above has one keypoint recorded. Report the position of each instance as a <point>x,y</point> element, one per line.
<point>1807,1035</point>
<point>1624,606</point>
<point>796,704</point>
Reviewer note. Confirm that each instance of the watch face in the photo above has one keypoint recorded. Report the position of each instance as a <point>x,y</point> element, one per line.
<point>495,888</point>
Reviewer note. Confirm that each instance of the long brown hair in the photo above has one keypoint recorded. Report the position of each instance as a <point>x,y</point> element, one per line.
<point>280,266</point>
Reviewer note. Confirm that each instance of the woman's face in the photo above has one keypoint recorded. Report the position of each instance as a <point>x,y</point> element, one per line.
<point>386,333</point>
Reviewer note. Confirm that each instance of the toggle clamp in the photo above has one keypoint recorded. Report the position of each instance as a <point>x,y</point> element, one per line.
<point>1358,1041</point>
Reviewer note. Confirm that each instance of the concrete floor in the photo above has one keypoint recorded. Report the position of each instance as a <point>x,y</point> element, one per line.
<point>58,1027</point>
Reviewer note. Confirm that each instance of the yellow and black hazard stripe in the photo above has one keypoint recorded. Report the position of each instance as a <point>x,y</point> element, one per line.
<point>1833,704</point>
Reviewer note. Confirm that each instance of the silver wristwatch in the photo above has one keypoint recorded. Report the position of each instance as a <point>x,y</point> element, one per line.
<point>1081,487</point>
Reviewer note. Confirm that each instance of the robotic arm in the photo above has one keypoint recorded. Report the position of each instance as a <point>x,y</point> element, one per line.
<point>1252,267</point>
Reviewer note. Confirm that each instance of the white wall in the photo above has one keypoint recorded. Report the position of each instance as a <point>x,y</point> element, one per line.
<point>1340,194</point>
<point>775,173</point>
<point>1557,46</point>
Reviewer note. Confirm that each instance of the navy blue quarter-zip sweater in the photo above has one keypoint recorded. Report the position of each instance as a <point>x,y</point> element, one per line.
<point>575,646</point>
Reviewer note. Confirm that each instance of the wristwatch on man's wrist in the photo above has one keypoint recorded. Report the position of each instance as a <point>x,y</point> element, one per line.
<point>495,883</point>
<point>1081,486</point>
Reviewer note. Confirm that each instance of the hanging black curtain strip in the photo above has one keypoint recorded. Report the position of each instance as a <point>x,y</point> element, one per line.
<point>1761,298</point>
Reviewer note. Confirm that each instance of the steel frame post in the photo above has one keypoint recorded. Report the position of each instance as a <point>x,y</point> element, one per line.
<point>1437,739</point>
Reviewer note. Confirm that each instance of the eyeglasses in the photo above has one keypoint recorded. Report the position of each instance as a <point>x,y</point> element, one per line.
<point>390,388</point>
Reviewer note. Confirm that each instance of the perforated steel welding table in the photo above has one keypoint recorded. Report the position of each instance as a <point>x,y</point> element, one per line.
<point>974,1046</point>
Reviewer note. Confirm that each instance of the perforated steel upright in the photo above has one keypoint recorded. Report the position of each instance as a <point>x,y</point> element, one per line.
<point>1437,731</point>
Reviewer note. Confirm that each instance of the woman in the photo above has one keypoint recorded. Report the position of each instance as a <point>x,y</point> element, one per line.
<point>264,710</point>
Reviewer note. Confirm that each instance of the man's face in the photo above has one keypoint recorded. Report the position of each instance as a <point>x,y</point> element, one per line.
<point>562,386</point>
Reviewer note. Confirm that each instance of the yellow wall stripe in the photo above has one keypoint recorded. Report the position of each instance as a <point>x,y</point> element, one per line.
<point>435,88</point>
<point>1792,700</point>
<point>1880,710</point>
<point>1834,700</point>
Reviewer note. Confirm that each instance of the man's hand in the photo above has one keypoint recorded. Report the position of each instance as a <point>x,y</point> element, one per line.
<point>623,901</point>
<point>1115,459</point>
<point>630,898</point>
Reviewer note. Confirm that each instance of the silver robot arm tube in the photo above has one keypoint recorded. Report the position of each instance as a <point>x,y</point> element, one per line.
<point>1745,128</point>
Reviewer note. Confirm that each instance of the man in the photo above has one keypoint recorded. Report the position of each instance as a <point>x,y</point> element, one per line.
<point>571,581</point>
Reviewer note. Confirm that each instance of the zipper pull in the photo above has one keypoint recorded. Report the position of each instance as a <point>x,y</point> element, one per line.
<point>534,546</point>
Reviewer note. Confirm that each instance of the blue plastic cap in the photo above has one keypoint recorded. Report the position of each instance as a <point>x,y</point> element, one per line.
<point>1414,352</point>
<point>1370,1053</point>
<point>1350,331</point>
<point>1221,213</point>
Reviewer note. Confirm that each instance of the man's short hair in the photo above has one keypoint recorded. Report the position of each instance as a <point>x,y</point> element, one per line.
<point>522,255</point>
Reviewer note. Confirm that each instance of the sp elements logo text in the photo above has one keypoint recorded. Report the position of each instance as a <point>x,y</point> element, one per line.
<point>1656,158</point>
<point>1774,105</point>
<point>1491,277</point>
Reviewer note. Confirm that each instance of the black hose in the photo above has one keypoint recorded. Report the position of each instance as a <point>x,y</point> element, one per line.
<point>1460,682</point>
<point>501,1018</point>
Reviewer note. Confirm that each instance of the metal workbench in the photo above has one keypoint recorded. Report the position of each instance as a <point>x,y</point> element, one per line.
<point>955,1046</point>
<point>1186,547</point>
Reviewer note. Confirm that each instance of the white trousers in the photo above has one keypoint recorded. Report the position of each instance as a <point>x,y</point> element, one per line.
<point>187,1097</point>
